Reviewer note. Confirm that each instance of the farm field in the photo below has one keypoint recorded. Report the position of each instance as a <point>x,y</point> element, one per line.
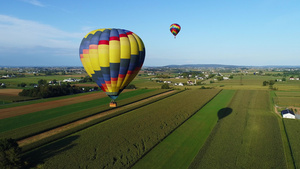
<point>249,137</point>
<point>31,108</point>
<point>125,138</point>
<point>10,95</point>
<point>293,129</point>
<point>181,146</point>
<point>20,126</point>
<point>287,98</point>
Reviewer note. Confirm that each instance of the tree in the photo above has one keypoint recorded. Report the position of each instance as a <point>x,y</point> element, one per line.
<point>265,83</point>
<point>10,154</point>
<point>22,84</point>
<point>165,86</point>
<point>271,82</point>
<point>131,86</point>
<point>42,82</point>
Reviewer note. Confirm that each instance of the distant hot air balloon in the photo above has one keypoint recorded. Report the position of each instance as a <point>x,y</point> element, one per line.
<point>112,57</point>
<point>175,28</point>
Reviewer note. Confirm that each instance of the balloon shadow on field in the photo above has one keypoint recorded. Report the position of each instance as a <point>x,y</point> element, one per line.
<point>222,113</point>
<point>39,155</point>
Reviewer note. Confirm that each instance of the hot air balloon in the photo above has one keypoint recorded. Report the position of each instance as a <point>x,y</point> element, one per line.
<point>175,28</point>
<point>112,57</point>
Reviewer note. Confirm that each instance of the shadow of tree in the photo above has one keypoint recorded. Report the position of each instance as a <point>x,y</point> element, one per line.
<point>222,113</point>
<point>39,155</point>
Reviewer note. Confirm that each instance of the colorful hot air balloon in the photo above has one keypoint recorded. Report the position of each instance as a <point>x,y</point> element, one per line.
<point>112,57</point>
<point>175,28</point>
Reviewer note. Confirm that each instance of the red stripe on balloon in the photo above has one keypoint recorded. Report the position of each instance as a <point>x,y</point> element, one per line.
<point>114,79</point>
<point>114,38</point>
<point>93,46</point>
<point>107,82</point>
<point>129,72</point>
<point>121,76</point>
<point>81,56</point>
<point>128,33</point>
<point>103,42</point>
<point>102,88</point>
<point>85,51</point>
<point>122,35</point>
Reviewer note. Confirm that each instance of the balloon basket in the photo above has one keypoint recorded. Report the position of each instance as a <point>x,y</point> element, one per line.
<point>113,104</point>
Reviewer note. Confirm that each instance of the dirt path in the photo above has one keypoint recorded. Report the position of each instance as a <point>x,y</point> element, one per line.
<point>49,133</point>
<point>20,110</point>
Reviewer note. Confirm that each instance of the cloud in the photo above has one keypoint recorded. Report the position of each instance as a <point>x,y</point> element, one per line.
<point>18,33</point>
<point>34,2</point>
<point>22,39</point>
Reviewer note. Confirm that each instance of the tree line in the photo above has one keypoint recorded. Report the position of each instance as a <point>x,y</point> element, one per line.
<point>44,90</point>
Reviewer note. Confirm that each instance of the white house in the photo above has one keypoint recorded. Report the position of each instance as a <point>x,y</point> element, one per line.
<point>288,114</point>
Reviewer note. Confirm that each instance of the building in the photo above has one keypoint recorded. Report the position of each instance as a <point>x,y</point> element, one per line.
<point>288,114</point>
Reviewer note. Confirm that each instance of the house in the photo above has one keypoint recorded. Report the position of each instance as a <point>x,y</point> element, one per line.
<point>225,78</point>
<point>288,114</point>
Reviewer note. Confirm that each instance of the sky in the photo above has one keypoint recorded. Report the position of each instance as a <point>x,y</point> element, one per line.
<point>231,32</point>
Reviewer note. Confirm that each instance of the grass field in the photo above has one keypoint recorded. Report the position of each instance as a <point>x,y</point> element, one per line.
<point>120,141</point>
<point>179,148</point>
<point>249,137</point>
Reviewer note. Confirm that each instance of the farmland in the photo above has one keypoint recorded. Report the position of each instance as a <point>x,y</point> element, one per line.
<point>250,133</point>
<point>293,130</point>
<point>190,126</point>
<point>179,148</point>
<point>124,139</point>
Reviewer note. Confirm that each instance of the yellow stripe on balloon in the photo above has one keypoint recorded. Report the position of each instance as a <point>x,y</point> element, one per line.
<point>125,48</point>
<point>114,51</point>
<point>93,32</point>
<point>133,44</point>
<point>93,54</point>
<point>87,61</point>
<point>139,41</point>
<point>103,55</point>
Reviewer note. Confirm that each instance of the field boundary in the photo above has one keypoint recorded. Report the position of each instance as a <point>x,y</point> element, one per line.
<point>58,132</point>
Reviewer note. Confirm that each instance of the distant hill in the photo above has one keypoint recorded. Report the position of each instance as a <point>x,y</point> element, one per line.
<point>202,66</point>
<point>226,66</point>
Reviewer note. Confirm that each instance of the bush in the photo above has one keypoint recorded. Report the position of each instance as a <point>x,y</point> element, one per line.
<point>165,86</point>
<point>10,154</point>
<point>131,86</point>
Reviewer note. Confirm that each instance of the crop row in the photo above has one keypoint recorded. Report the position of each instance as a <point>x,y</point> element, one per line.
<point>40,100</point>
<point>122,140</point>
<point>293,129</point>
<point>29,124</point>
<point>180,148</point>
<point>249,137</point>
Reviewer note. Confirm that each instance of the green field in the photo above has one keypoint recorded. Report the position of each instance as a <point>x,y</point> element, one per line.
<point>42,120</point>
<point>293,129</point>
<point>249,137</point>
<point>286,99</point>
<point>179,148</point>
<point>180,130</point>
<point>121,141</point>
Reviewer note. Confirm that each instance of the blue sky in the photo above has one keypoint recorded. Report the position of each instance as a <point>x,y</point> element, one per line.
<point>235,32</point>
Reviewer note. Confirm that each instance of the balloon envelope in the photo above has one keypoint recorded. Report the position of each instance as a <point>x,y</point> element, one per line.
<point>175,28</point>
<point>112,57</point>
